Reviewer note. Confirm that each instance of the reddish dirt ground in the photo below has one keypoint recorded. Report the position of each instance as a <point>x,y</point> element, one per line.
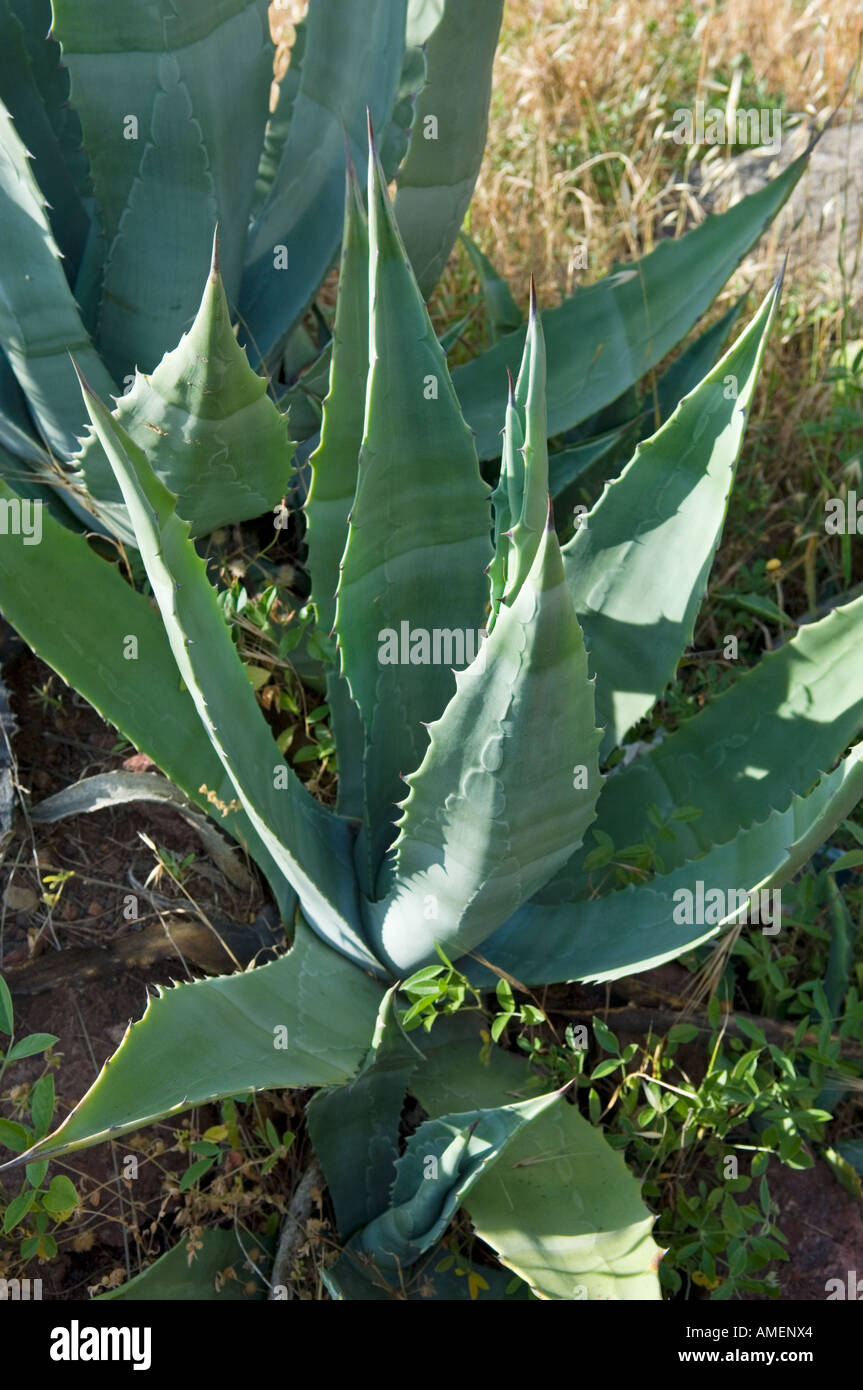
<point>91,969</point>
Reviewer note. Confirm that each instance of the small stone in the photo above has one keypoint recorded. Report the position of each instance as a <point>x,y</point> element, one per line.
<point>139,762</point>
<point>20,898</point>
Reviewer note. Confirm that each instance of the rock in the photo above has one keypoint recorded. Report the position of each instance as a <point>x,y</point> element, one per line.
<point>138,762</point>
<point>810,226</point>
<point>20,898</point>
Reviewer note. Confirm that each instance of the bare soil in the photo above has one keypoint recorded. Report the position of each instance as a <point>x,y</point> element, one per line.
<point>82,971</point>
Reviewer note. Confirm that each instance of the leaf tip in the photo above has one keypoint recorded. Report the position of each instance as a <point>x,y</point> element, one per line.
<point>83,382</point>
<point>777,283</point>
<point>214,259</point>
<point>352,181</point>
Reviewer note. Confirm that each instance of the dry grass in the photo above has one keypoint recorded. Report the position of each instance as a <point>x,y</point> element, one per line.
<point>584,93</point>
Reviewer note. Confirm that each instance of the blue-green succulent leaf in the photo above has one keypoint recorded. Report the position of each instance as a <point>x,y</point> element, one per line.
<point>412,569</point>
<point>608,335</point>
<point>638,563</point>
<point>638,928</point>
<point>355,1128</point>
<point>559,1207</point>
<point>352,58</point>
<point>497,806</point>
<point>310,844</point>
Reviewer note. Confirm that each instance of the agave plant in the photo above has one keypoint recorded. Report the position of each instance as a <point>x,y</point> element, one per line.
<point>510,762</point>
<point>156,126</point>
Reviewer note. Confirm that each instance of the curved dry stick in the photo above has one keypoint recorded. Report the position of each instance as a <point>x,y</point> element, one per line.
<point>293,1231</point>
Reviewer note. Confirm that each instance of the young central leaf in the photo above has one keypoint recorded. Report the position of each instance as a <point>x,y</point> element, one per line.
<point>209,429</point>
<point>507,787</point>
<point>412,593</point>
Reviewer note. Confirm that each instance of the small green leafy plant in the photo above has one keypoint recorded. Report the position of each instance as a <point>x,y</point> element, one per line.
<point>39,1207</point>
<point>701,1125</point>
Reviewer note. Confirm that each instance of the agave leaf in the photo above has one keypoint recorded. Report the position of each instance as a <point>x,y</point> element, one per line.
<point>311,846</point>
<point>210,431</point>
<point>689,368</point>
<point>396,135</point>
<point>650,408</point>
<point>197,81</point>
<point>333,464</point>
<point>608,335</point>
<point>39,321</point>
<point>52,80</point>
<point>347,727</point>
<point>395,138</point>
<point>423,18</point>
<point>303,401</point>
<point>91,276</point>
<point>43,590</point>
<point>160,242</point>
<point>634,928</point>
<point>437,178</point>
<point>16,426</point>
<point>196,1270</point>
<point>530,515</point>
<point>507,500</point>
<point>496,804</point>
<point>279,121</point>
<point>35,88</point>
<point>520,499</point>
<point>559,1207</point>
<point>355,1128</point>
<point>438,1275</point>
<point>118,789</point>
<point>409,562</point>
<point>352,53</point>
<point>443,1161</point>
<point>577,471</point>
<point>766,738</point>
<point>38,484</point>
<point>304,1020</point>
<point>502,313</point>
<point>580,469</point>
<point>334,477</point>
<point>636,605</point>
